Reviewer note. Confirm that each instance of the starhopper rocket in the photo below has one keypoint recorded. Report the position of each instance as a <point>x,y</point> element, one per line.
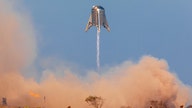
<point>97,18</point>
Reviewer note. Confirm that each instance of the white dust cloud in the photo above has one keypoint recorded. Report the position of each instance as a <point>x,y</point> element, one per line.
<point>129,84</point>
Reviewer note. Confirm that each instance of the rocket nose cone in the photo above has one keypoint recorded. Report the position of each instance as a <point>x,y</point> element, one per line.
<point>97,7</point>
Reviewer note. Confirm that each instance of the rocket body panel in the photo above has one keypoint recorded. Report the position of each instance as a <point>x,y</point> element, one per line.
<point>97,18</point>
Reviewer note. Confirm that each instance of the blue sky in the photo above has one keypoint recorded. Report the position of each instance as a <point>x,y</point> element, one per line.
<point>160,28</point>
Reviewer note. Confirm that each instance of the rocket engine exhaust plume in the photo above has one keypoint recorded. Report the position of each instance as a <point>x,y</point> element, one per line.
<point>98,50</point>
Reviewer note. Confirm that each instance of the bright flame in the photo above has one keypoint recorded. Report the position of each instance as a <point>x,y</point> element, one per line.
<point>34,94</point>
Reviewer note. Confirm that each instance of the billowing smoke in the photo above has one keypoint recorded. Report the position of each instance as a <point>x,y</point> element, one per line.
<point>17,39</point>
<point>17,48</point>
<point>129,84</point>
